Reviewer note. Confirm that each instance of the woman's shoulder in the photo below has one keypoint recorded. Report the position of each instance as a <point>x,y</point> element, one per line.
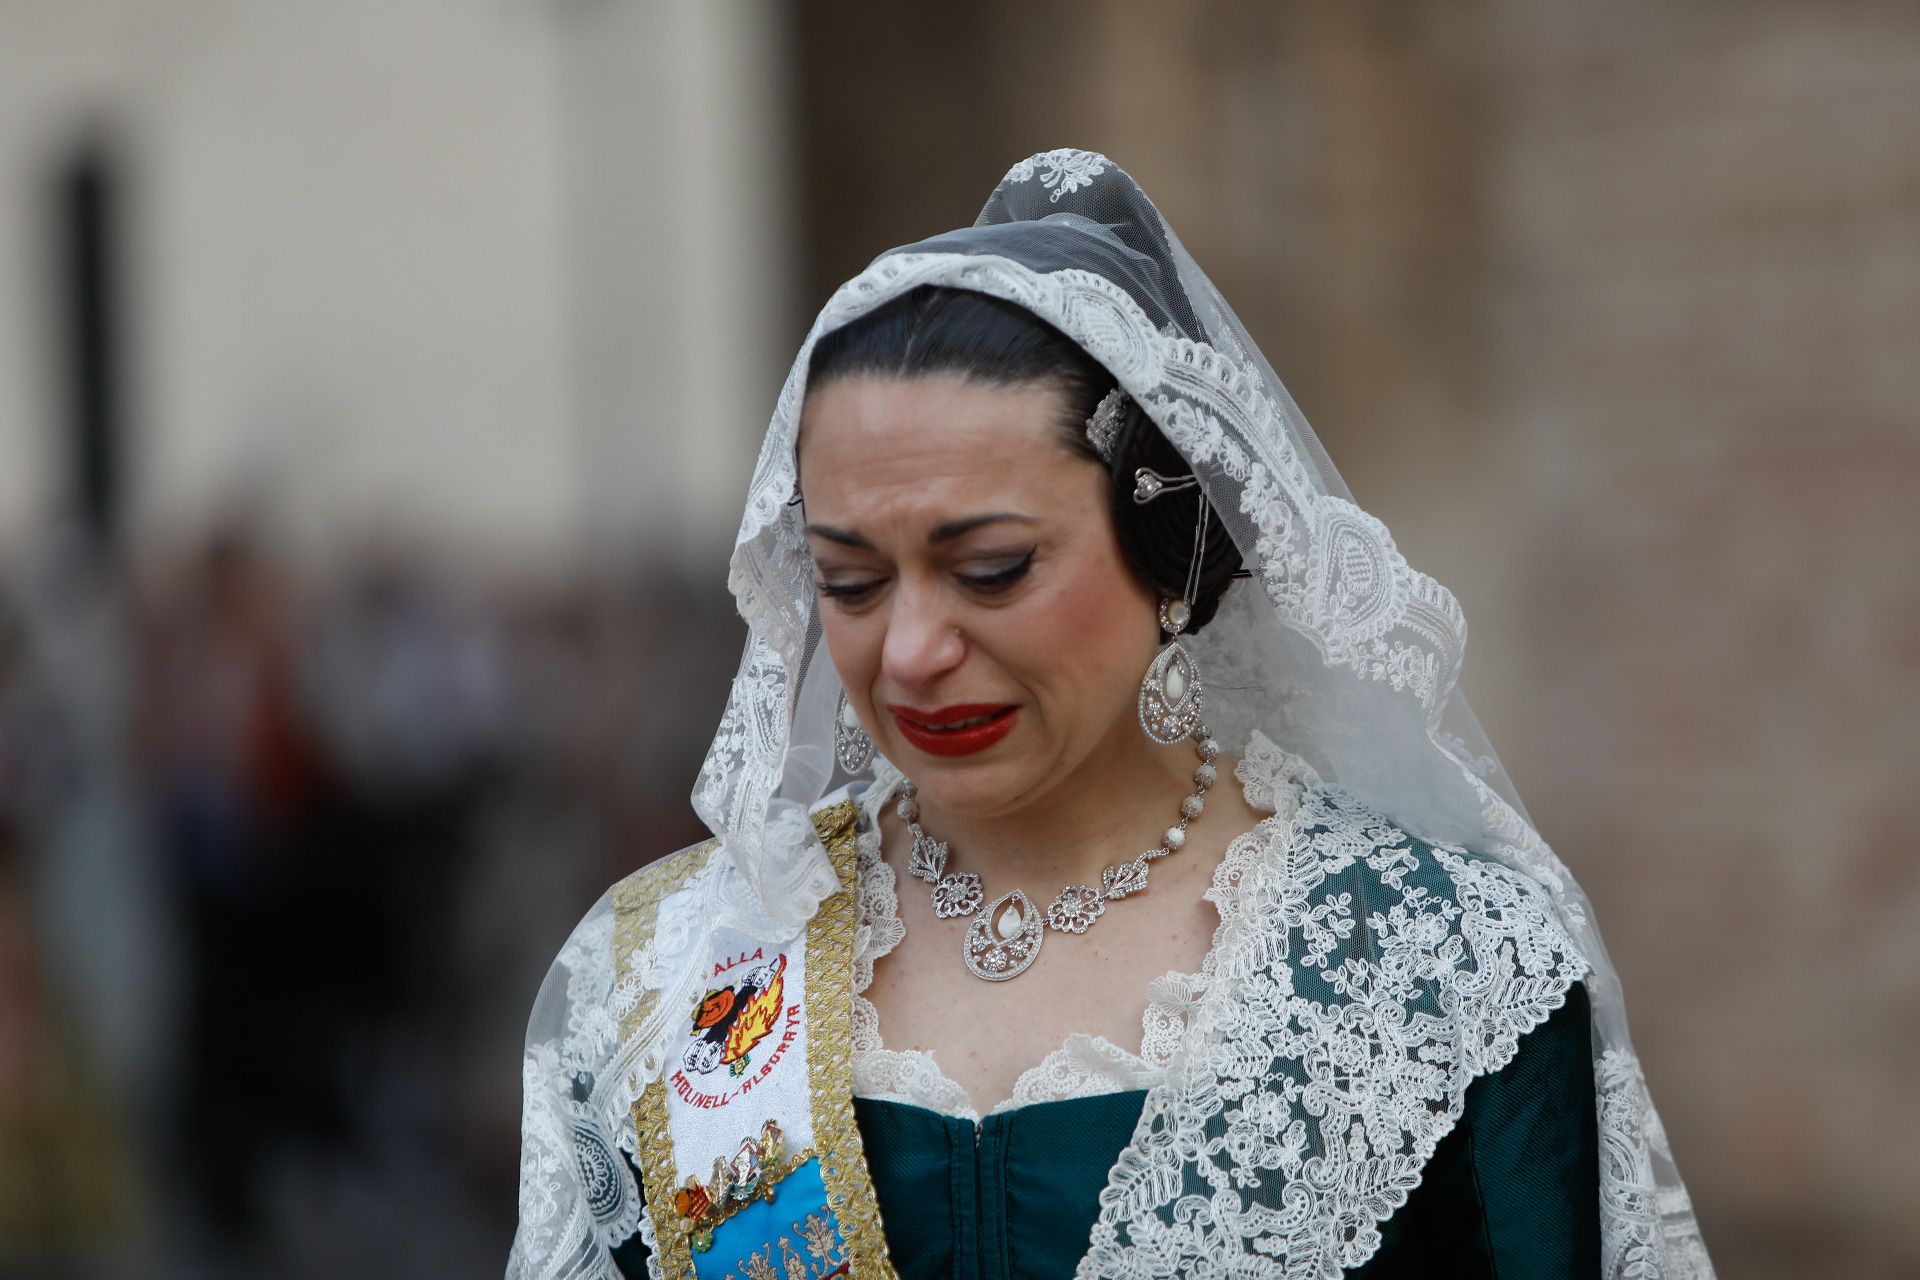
<point>630,909</point>
<point>646,887</point>
<point>1341,834</point>
<point>1358,884</point>
<point>586,966</point>
<point>578,1196</point>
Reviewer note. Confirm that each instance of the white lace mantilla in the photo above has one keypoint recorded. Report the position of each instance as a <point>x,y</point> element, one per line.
<point>578,1198</point>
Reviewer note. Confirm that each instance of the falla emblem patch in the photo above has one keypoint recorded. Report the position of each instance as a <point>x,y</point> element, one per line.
<point>730,1020</point>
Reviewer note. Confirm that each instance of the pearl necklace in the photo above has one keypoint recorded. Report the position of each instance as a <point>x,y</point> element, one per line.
<point>1004,937</point>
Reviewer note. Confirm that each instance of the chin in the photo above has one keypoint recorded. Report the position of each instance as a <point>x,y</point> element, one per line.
<point>971,786</point>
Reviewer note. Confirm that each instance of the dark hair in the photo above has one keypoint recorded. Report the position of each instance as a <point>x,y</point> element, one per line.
<point>937,330</point>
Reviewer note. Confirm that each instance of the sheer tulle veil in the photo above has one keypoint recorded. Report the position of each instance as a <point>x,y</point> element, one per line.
<point>1334,647</point>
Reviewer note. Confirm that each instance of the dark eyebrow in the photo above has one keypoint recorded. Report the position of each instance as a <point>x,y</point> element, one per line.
<point>954,528</point>
<point>845,537</point>
<point>941,533</point>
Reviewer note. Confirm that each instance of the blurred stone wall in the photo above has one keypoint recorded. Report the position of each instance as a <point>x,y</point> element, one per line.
<point>1610,315</point>
<point>1699,360</point>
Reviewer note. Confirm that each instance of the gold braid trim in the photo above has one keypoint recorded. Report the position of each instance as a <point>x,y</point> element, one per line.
<point>836,1135</point>
<point>636,907</point>
<point>829,1000</point>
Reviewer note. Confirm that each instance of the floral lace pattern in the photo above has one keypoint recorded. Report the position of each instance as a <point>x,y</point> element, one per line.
<point>1064,171</point>
<point>592,1043</point>
<point>1358,983</point>
<point>578,1198</point>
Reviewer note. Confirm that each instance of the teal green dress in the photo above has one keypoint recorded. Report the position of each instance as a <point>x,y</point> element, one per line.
<point>1511,1193</point>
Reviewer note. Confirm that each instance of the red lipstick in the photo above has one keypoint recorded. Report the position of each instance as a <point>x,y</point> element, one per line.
<point>958,730</point>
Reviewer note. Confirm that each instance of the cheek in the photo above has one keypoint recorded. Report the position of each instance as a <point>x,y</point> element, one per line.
<point>1094,634</point>
<point>854,645</point>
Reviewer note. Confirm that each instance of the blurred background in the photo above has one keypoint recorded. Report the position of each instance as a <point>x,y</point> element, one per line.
<point>378,386</point>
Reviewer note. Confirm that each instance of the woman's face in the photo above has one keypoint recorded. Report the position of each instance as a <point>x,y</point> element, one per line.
<point>975,600</point>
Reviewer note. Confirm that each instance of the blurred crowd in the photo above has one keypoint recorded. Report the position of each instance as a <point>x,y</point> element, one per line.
<point>283,857</point>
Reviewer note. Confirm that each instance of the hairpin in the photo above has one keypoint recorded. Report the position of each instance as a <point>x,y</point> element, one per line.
<point>1103,428</point>
<point>1149,484</point>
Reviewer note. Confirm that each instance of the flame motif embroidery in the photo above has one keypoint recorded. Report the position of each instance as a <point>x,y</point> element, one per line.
<point>757,1016</point>
<point>730,1021</point>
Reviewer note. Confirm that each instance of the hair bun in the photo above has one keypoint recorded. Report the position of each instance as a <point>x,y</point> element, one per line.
<point>1157,537</point>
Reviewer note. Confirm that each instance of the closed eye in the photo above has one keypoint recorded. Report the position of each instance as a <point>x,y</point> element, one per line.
<point>1007,572</point>
<point>999,579</point>
<point>850,592</point>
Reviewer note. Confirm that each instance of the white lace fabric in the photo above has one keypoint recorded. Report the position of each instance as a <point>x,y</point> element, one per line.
<point>1360,981</point>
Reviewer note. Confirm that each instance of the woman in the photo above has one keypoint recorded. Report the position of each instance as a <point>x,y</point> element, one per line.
<point>1035,532</point>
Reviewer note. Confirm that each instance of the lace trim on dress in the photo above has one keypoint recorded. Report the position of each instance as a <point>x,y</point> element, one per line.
<point>1084,1066</point>
<point>1363,982</point>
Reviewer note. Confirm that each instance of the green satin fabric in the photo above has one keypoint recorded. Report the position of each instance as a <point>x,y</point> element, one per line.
<point>1013,1195</point>
<point>1511,1193</point>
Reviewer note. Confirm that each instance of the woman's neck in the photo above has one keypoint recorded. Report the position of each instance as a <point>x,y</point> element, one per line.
<point>1115,806</point>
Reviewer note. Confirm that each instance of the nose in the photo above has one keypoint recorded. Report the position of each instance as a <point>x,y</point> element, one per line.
<point>922,642</point>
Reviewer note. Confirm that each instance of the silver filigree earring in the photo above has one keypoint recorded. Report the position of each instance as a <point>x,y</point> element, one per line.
<point>1171,694</point>
<point>851,745</point>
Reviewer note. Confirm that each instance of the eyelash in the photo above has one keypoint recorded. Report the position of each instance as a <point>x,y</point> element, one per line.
<point>845,591</point>
<point>998,580</point>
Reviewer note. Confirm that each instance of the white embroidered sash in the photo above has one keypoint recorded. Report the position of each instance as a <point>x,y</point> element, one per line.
<point>747,1146</point>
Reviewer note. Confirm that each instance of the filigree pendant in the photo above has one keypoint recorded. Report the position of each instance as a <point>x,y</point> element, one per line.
<point>1171,696</point>
<point>1004,939</point>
